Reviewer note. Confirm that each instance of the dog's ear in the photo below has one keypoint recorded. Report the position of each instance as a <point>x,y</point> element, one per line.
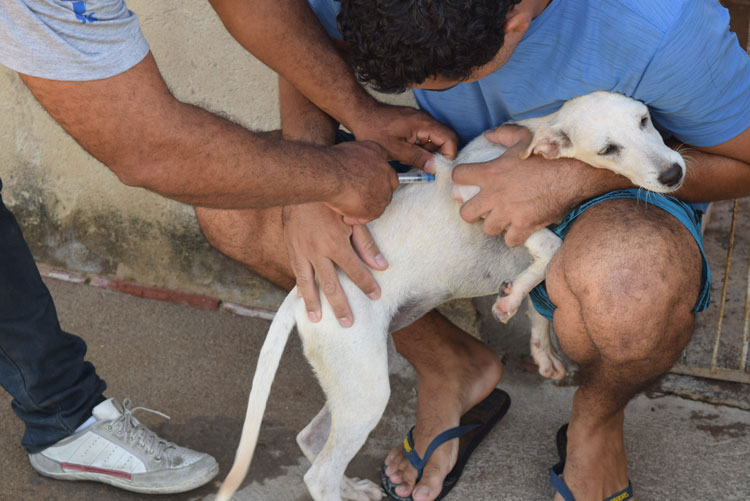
<point>550,142</point>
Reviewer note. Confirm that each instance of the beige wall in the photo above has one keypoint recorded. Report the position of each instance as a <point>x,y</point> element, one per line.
<point>74,212</point>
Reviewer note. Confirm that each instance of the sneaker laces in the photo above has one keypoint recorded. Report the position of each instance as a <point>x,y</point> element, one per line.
<point>128,426</point>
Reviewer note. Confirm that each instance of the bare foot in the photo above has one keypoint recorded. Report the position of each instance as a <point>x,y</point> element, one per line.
<point>463,371</point>
<point>595,466</point>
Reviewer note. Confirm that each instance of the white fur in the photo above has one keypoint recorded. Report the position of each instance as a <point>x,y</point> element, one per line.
<point>434,256</point>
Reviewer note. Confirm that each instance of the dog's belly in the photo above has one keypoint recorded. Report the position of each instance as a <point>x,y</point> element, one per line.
<point>414,307</point>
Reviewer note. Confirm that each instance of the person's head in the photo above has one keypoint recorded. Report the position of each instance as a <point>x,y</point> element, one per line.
<point>433,44</point>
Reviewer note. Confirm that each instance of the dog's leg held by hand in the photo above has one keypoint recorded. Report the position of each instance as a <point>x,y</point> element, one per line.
<point>542,245</point>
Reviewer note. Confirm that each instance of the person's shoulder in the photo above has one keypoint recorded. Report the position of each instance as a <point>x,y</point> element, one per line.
<point>660,15</point>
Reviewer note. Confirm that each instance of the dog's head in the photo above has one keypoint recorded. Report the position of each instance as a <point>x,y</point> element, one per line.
<point>609,131</point>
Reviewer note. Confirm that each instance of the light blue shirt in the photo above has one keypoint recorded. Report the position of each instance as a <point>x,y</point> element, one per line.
<point>676,56</point>
<point>70,39</point>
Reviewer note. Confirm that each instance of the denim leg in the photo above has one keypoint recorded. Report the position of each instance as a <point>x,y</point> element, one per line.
<point>41,366</point>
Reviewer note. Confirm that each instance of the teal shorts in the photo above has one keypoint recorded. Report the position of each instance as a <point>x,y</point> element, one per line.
<point>688,215</point>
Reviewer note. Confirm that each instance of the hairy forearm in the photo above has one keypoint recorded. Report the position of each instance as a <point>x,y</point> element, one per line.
<point>711,177</point>
<point>301,120</point>
<point>208,161</point>
<point>286,35</point>
<point>152,140</point>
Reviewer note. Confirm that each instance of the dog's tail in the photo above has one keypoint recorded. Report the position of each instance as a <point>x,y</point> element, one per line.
<point>265,372</point>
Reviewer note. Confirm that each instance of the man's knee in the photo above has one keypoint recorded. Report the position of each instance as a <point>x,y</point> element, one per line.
<point>626,281</point>
<point>252,237</point>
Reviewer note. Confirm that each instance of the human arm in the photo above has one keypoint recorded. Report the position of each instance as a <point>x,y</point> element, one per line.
<point>697,86</point>
<point>148,138</point>
<point>522,196</point>
<point>317,239</point>
<point>286,35</point>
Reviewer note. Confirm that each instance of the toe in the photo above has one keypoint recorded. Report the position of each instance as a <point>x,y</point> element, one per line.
<point>391,472</point>
<point>406,474</point>
<point>393,455</point>
<point>430,485</point>
<point>404,489</point>
<point>401,471</point>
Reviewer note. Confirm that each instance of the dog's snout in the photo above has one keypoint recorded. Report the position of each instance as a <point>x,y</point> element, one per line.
<point>672,176</point>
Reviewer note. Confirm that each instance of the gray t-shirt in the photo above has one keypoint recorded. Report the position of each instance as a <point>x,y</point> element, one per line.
<point>70,39</point>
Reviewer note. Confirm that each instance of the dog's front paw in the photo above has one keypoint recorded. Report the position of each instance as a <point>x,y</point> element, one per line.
<point>506,304</point>
<point>356,489</point>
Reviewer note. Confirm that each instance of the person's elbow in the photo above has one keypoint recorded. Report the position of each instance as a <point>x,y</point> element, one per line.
<point>137,170</point>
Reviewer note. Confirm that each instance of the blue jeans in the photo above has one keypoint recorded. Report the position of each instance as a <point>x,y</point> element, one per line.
<point>41,366</point>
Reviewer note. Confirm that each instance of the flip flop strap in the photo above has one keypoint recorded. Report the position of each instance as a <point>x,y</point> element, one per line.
<point>449,434</point>
<point>626,493</point>
<point>557,482</point>
<point>562,488</point>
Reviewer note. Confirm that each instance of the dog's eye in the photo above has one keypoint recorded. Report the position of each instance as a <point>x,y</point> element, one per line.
<point>644,121</point>
<point>610,149</point>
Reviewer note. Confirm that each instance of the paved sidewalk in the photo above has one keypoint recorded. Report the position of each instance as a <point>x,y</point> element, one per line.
<point>197,366</point>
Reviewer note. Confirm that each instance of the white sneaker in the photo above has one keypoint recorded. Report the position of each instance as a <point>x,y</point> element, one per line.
<point>120,451</point>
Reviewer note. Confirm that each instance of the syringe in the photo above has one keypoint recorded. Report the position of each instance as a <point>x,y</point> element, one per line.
<point>415,177</point>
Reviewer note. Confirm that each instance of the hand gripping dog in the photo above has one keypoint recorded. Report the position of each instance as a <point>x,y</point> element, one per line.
<point>435,256</point>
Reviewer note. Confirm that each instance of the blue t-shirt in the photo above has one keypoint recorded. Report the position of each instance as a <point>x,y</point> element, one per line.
<point>676,56</point>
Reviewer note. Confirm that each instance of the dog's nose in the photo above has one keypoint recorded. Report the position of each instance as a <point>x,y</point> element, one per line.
<point>672,176</point>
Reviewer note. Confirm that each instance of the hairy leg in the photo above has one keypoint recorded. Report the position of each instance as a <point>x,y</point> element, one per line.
<point>625,282</point>
<point>455,371</point>
<point>254,238</point>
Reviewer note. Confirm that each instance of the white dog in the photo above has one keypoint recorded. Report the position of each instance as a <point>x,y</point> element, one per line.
<point>435,256</point>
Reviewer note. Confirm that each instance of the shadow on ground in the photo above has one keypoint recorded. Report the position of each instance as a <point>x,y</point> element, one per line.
<point>197,365</point>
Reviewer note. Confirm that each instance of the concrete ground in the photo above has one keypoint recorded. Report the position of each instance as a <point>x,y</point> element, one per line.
<point>197,365</point>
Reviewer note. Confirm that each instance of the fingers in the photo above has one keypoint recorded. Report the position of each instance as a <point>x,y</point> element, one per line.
<point>328,279</point>
<point>367,249</point>
<point>469,174</point>
<point>441,139</point>
<point>366,181</point>
<point>352,221</point>
<point>420,155</point>
<point>414,155</point>
<point>516,236</point>
<point>307,287</point>
<point>359,274</point>
<point>472,211</point>
<point>509,135</point>
<point>494,225</point>
<point>319,245</point>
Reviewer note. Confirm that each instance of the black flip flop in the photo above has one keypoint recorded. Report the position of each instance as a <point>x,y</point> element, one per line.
<point>475,425</point>
<point>559,485</point>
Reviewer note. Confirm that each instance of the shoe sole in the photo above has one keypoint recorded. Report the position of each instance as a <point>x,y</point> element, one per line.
<point>197,477</point>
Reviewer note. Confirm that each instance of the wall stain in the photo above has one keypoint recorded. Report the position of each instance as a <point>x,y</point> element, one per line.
<point>697,415</point>
<point>734,430</point>
<point>167,251</point>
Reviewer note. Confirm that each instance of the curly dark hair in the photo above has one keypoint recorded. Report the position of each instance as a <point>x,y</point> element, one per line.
<point>395,44</point>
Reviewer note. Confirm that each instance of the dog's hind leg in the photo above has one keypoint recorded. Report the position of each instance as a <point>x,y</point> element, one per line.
<point>352,367</point>
<point>542,245</point>
<point>312,439</point>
